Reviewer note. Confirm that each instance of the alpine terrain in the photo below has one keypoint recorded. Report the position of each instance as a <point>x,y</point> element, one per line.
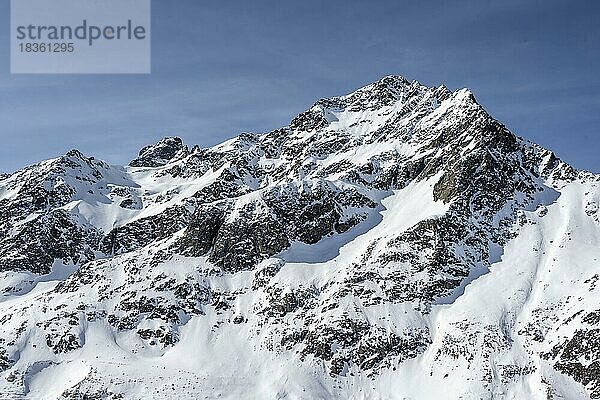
<point>394,243</point>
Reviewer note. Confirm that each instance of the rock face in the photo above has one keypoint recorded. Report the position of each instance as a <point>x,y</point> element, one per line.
<point>159,154</point>
<point>396,242</point>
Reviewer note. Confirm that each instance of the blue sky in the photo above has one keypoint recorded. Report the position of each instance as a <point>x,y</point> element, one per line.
<point>224,67</point>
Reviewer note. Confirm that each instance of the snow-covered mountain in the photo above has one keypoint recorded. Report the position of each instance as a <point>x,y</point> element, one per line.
<point>393,243</point>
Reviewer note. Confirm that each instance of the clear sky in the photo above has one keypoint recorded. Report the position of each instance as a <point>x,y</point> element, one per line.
<point>224,67</point>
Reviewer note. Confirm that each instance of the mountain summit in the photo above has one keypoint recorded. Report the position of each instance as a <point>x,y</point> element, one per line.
<point>396,242</point>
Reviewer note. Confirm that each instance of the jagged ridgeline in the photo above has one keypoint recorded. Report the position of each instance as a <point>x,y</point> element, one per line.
<point>396,242</point>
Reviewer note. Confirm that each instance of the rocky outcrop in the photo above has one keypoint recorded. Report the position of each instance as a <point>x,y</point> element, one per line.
<point>158,154</point>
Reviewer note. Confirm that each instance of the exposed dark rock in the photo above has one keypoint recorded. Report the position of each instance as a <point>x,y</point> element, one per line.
<point>144,231</point>
<point>50,237</point>
<point>159,154</point>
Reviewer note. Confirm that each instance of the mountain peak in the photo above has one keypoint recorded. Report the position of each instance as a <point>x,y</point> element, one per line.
<point>74,153</point>
<point>394,81</point>
<point>391,101</point>
<point>334,252</point>
<point>160,153</point>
